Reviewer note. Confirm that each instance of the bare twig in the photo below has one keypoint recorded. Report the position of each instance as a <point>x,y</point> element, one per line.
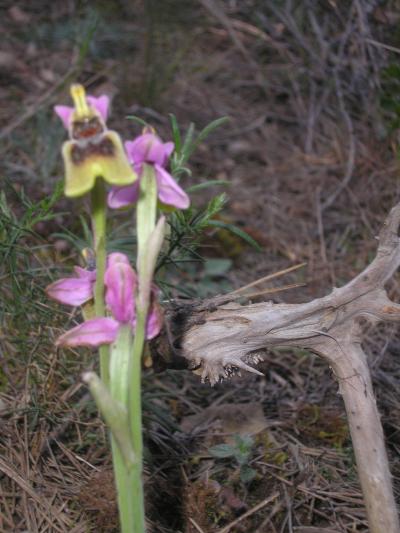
<point>268,278</point>
<point>383,45</point>
<point>195,525</point>
<point>352,148</point>
<point>219,341</point>
<point>249,512</point>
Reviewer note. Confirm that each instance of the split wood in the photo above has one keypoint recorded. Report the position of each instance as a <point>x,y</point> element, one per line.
<point>217,337</point>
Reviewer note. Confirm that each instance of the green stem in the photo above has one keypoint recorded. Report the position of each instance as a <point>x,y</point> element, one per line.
<point>128,480</point>
<point>135,419</point>
<point>99,219</point>
<point>146,220</point>
<point>146,211</point>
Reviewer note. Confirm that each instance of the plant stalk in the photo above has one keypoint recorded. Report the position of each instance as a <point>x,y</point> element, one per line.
<point>135,420</point>
<point>127,477</point>
<point>99,223</point>
<point>367,437</point>
<point>146,220</point>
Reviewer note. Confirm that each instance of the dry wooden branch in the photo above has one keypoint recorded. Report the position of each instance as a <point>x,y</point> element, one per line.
<point>217,338</point>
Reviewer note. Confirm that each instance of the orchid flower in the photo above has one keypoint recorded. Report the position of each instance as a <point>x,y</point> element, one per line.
<point>121,282</point>
<point>149,149</point>
<point>93,151</point>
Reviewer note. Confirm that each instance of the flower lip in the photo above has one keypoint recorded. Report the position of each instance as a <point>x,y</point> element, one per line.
<point>87,128</point>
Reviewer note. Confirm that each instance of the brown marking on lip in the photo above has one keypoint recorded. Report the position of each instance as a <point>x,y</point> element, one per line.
<point>104,148</point>
<point>86,128</point>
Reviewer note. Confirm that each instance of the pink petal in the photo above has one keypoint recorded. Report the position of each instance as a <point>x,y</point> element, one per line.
<point>120,281</point>
<point>147,148</point>
<point>117,257</point>
<point>65,113</point>
<point>168,149</point>
<point>169,191</point>
<point>101,104</point>
<point>71,291</point>
<point>85,273</point>
<point>93,332</point>
<point>154,321</point>
<point>123,196</point>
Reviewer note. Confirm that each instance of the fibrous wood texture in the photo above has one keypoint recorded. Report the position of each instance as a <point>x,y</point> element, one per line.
<point>218,337</point>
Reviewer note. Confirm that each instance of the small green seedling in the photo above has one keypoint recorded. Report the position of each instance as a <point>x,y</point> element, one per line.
<point>241,451</point>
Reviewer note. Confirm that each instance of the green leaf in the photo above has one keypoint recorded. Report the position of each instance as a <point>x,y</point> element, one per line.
<point>222,451</point>
<point>210,128</point>
<point>187,147</point>
<point>244,442</point>
<point>236,231</point>
<point>207,184</point>
<point>138,120</point>
<point>176,133</point>
<point>190,145</point>
<point>247,474</point>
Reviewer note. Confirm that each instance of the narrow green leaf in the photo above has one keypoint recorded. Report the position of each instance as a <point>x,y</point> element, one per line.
<point>138,120</point>
<point>187,147</point>
<point>236,231</point>
<point>205,132</point>
<point>176,132</point>
<point>207,184</point>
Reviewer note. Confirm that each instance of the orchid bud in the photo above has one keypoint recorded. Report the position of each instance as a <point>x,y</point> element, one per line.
<point>115,415</point>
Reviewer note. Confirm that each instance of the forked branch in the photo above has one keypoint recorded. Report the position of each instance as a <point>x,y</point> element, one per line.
<point>218,337</point>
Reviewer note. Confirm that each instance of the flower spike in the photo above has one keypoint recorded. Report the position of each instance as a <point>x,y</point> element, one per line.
<point>121,285</point>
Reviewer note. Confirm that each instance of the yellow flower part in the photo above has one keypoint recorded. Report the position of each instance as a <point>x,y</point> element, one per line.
<point>82,109</point>
<point>93,151</point>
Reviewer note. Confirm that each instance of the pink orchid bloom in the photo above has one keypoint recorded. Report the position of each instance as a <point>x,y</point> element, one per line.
<point>101,104</point>
<point>92,151</point>
<point>148,148</point>
<point>121,282</point>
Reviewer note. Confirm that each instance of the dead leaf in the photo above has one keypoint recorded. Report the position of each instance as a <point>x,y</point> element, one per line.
<point>242,419</point>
